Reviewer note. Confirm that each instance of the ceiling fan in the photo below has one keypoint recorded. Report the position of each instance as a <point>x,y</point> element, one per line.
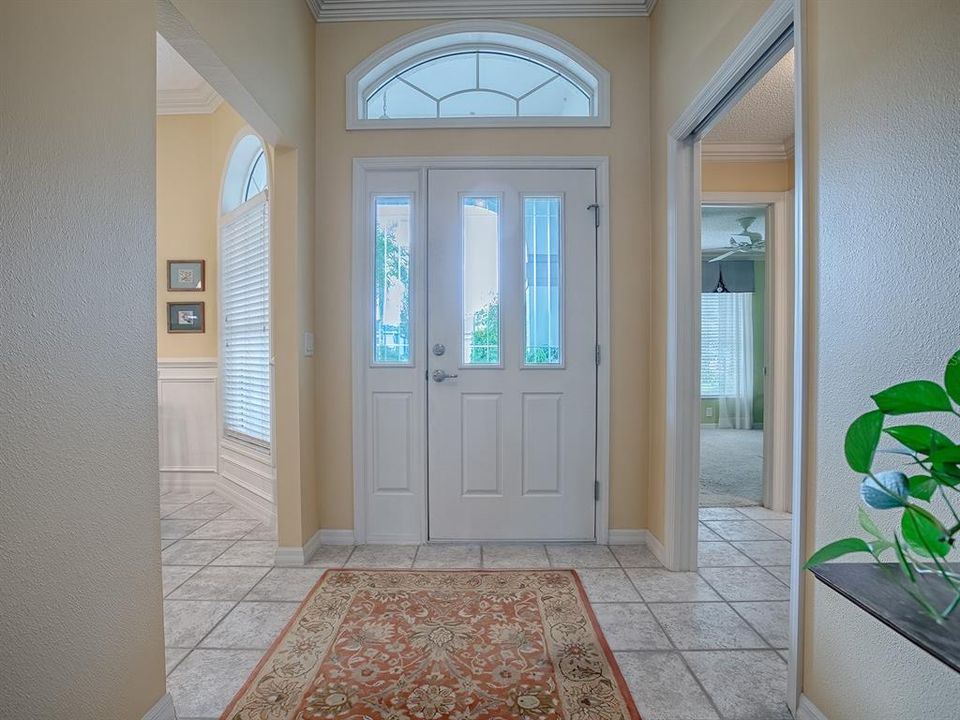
<point>753,242</point>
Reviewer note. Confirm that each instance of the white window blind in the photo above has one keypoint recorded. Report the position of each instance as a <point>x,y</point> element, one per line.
<point>245,321</point>
<point>717,346</point>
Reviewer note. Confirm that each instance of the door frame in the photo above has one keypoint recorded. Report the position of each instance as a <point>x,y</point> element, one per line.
<point>682,431</point>
<point>360,290</point>
<point>777,340</point>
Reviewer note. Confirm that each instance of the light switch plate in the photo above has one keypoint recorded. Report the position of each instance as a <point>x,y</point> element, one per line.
<point>308,344</point>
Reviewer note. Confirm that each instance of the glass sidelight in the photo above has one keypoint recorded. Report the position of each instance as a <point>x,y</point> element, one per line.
<point>542,280</point>
<point>391,301</point>
<point>480,223</point>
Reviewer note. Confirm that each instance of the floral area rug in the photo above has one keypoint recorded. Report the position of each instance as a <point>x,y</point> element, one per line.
<point>424,645</point>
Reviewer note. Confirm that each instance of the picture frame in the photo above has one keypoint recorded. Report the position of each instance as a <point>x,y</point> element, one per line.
<point>186,275</point>
<point>188,317</point>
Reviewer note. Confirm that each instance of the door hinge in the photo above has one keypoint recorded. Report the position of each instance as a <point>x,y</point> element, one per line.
<point>596,214</point>
<point>596,490</point>
<point>597,355</point>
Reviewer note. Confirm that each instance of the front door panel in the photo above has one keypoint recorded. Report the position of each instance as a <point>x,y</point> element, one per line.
<point>511,399</point>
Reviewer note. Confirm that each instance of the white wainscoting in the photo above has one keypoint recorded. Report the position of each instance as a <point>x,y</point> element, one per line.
<point>188,418</point>
<point>193,453</point>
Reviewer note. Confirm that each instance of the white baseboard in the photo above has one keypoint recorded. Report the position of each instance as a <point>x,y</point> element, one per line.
<point>336,537</point>
<point>163,710</point>
<point>640,536</point>
<point>626,537</point>
<point>806,710</point>
<point>656,547</point>
<point>293,556</point>
<point>253,503</point>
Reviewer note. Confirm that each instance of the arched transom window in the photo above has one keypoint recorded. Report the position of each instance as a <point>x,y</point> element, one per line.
<point>488,73</point>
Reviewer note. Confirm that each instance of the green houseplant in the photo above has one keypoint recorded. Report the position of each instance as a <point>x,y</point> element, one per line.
<point>929,474</point>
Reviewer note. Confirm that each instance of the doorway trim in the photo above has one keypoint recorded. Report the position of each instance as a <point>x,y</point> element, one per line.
<point>778,341</point>
<point>360,364</point>
<point>682,416</point>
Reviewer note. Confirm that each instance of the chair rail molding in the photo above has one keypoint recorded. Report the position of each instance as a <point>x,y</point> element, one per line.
<point>348,10</point>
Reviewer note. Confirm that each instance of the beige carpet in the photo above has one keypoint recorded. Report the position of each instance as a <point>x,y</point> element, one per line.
<point>731,467</point>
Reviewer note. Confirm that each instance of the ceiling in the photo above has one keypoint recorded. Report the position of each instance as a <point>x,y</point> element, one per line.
<point>345,10</point>
<point>718,223</point>
<point>764,116</point>
<point>180,89</point>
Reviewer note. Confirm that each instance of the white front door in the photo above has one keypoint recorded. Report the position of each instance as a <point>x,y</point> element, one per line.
<point>511,354</point>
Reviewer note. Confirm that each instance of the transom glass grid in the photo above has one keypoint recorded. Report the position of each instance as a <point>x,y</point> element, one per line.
<point>481,280</point>
<point>391,301</point>
<point>542,280</point>
<point>478,83</point>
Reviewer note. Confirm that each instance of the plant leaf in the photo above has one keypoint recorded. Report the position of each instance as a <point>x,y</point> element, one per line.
<point>836,549</point>
<point>946,475</point>
<point>860,444</point>
<point>885,490</point>
<point>924,533</point>
<point>921,487</point>
<point>951,377</point>
<point>919,438</point>
<point>867,523</point>
<point>913,396</point>
<point>949,454</point>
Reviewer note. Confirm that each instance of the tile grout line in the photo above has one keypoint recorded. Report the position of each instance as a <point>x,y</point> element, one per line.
<point>676,650</point>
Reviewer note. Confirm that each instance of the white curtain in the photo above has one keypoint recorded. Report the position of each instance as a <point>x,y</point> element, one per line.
<point>735,331</point>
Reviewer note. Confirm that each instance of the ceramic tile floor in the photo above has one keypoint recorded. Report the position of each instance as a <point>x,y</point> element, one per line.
<point>692,646</point>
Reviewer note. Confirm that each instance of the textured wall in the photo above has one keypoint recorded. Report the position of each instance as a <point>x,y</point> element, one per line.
<point>885,173</point>
<point>80,610</point>
<point>620,45</point>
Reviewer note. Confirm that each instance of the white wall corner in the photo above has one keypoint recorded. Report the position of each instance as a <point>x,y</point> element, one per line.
<point>163,710</point>
<point>806,710</point>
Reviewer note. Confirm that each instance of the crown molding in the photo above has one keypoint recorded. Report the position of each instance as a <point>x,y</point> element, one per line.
<point>347,10</point>
<point>747,152</point>
<point>198,101</point>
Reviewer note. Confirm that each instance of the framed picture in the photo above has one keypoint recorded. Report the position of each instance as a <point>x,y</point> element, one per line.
<point>185,317</point>
<point>186,275</point>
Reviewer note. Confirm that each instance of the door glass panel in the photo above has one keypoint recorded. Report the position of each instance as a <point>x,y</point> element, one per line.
<point>391,302</point>
<point>481,280</point>
<point>542,276</point>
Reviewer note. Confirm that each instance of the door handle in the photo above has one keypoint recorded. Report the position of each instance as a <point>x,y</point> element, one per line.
<point>441,375</point>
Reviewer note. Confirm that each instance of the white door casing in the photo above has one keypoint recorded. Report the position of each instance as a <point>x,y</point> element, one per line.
<point>511,431</point>
<point>390,478</point>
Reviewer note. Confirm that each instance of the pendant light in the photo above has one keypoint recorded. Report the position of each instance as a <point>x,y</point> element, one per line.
<point>721,286</point>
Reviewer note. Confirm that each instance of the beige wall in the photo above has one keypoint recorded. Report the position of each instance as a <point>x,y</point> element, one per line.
<point>621,46</point>
<point>690,39</point>
<point>81,632</point>
<point>192,151</point>
<point>773,176</point>
<point>885,207</point>
<point>260,57</point>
